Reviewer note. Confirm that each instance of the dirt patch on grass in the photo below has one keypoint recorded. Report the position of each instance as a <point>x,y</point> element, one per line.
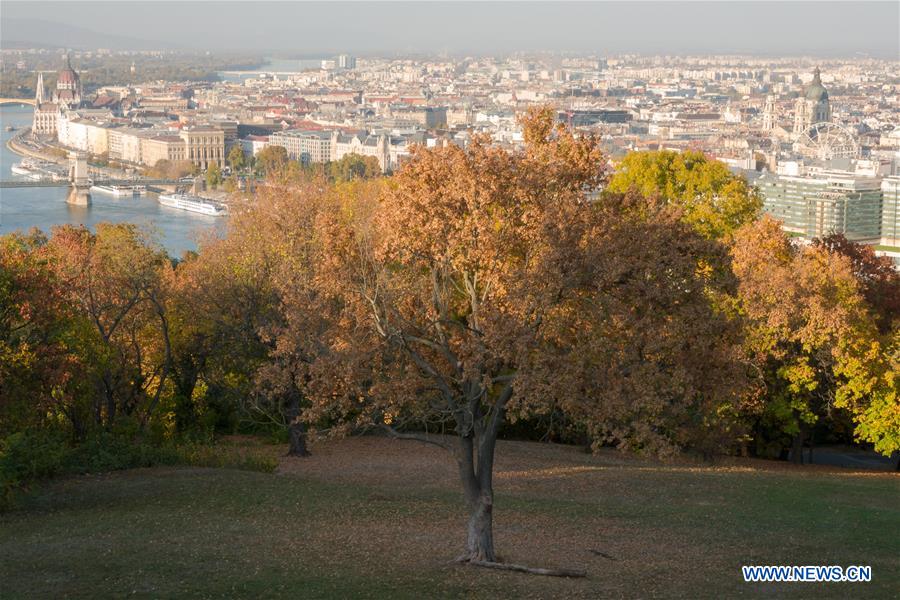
<point>519,467</point>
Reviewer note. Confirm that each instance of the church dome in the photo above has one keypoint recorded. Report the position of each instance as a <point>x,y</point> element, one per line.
<point>816,91</point>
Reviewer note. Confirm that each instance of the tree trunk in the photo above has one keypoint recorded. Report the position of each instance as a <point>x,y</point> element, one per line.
<point>797,449</point>
<point>297,439</point>
<point>110,406</point>
<point>185,412</point>
<point>480,542</point>
<point>296,428</point>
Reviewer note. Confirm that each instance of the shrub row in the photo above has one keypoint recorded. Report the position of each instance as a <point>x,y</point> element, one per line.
<point>28,457</point>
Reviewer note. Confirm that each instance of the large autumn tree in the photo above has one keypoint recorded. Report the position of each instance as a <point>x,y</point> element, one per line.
<point>114,278</point>
<point>43,366</point>
<point>873,397</point>
<point>878,280</point>
<point>813,338</point>
<point>483,285</point>
<point>712,199</point>
<point>219,301</point>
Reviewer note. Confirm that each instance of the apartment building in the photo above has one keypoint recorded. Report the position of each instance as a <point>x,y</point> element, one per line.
<point>363,145</point>
<point>162,147</point>
<point>306,146</point>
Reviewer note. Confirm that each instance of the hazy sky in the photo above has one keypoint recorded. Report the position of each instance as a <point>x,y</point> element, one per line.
<point>771,28</point>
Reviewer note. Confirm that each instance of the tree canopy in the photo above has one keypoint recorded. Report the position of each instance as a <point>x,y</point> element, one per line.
<point>712,199</point>
<point>353,166</point>
<point>811,335</point>
<point>482,286</point>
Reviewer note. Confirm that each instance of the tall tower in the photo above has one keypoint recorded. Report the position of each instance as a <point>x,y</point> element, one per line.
<point>813,106</point>
<point>46,113</point>
<point>39,92</point>
<point>769,113</point>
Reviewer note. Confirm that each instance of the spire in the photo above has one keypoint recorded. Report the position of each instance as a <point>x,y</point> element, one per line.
<point>39,90</point>
<point>816,78</point>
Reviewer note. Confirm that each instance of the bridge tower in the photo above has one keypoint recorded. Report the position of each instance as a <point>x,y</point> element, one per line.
<point>80,194</point>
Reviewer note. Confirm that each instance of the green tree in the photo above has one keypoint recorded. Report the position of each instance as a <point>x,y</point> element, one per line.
<point>874,396</point>
<point>231,184</point>
<point>877,277</point>
<point>113,278</point>
<point>271,160</point>
<point>43,340</point>
<point>354,166</point>
<point>712,199</point>
<point>236,158</point>
<point>213,175</point>
<point>219,302</point>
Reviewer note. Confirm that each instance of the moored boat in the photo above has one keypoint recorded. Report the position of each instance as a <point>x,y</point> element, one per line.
<point>35,169</point>
<point>115,190</point>
<point>193,204</point>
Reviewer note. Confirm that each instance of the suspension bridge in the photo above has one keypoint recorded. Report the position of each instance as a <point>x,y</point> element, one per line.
<point>48,183</point>
<point>80,182</point>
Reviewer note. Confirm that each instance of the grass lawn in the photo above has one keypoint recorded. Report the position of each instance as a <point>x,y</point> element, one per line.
<point>371,518</point>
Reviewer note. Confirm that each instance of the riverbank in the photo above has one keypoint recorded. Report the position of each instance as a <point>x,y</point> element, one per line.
<point>25,208</point>
<point>42,151</point>
<point>16,145</point>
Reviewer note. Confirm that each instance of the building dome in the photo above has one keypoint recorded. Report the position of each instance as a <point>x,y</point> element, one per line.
<point>816,91</point>
<point>67,77</point>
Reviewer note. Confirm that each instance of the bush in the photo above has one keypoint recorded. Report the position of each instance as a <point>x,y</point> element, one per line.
<point>105,451</point>
<point>31,456</point>
<point>214,457</point>
<point>27,457</point>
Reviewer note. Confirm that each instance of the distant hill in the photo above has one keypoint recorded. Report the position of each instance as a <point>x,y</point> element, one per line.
<point>38,33</point>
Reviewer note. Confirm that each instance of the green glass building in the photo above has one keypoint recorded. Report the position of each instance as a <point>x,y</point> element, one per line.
<point>822,203</point>
<point>890,211</point>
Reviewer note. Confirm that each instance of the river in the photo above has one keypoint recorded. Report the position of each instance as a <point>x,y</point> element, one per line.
<point>274,65</point>
<point>24,208</point>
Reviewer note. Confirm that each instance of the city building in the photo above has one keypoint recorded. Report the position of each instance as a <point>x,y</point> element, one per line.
<point>46,113</point>
<point>769,116</point>
<point>306,146</point>
<point>428,117</point>
<point>204,145</point>
<point>363,145</point>
<point>819,203</point>
<point>345,61</point>
<point>890,211</point>
<point>162,147</point>
<point>67,95</point>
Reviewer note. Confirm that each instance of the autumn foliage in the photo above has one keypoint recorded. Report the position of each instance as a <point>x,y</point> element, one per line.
<point>649,309</point>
